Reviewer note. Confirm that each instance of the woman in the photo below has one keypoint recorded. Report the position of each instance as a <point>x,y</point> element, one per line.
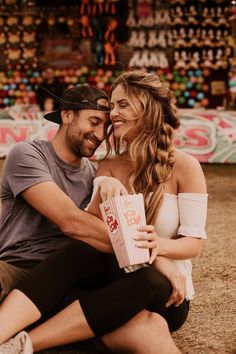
<point>143,118</point>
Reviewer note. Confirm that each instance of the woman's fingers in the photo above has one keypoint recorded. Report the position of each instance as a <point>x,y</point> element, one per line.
<point>178,293</point>
<point>148,240</point>
<point>146,244</point>
<point>146,228</point>
<point>154,254</point>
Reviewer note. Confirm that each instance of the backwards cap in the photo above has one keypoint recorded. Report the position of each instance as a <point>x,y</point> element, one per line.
<point>78,98</point>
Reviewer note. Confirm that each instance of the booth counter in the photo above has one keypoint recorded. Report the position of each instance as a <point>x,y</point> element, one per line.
<point>209,135</point>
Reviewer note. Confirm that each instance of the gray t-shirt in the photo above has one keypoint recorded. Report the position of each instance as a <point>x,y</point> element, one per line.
<point>25,234</point>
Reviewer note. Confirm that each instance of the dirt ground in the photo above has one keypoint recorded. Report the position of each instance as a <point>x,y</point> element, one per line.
<point>211,326</point>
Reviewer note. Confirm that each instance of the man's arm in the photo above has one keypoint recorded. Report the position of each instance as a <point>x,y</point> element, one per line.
<point>49,200</point>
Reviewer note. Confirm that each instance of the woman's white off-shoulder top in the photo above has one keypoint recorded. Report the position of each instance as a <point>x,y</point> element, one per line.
<point>183,214</point>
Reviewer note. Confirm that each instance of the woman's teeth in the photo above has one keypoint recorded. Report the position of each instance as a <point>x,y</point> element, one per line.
<point>118,123</point>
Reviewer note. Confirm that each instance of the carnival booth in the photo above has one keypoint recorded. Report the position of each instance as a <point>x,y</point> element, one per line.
<point>57,44</point>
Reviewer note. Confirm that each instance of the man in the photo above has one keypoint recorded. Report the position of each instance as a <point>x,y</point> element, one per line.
<point>45,186</point>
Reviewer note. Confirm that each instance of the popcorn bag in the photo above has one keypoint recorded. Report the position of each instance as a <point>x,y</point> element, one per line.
<point>123,215</point>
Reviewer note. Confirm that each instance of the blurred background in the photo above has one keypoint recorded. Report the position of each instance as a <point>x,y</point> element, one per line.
<point>58,44</point>
<point>189,43</point>
<point>191,46</point>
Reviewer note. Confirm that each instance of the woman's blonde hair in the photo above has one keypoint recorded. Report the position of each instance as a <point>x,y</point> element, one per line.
<point>150,143</point>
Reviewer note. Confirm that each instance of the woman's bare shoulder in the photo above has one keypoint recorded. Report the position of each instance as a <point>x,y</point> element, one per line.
<point>185,160</point>
<point>106,166</point>
<point>189,174</point>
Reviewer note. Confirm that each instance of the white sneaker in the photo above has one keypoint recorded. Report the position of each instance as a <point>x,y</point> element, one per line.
<point>20,344</point>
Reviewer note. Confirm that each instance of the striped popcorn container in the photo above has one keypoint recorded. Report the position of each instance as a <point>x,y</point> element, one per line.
<point>123,215</point>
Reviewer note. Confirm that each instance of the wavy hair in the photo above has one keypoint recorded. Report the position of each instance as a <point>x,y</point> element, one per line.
<point>150,144</point>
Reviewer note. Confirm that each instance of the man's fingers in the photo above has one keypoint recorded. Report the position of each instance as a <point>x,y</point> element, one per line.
<point>113,192</point>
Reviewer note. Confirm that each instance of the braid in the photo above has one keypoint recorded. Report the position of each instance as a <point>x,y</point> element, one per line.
<point>163,170</point>
<point>150,143</point>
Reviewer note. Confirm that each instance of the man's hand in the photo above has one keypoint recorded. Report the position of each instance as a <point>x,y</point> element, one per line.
<point>176,278</point>
<point>110,187</point>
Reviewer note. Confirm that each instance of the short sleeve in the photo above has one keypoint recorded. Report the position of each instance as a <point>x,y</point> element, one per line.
<point>24,167</point>
<point>193,213</point>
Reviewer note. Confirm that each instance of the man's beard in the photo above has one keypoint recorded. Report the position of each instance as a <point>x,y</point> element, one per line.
<point>80,147</point>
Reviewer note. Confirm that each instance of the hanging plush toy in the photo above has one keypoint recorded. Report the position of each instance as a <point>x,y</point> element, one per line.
<point>140,39</point>
<point>192,16</point>
<point>14,40</point>
<point>161,41</point>
<point>163,61</point>
<point>13,56</point>
<point>110,34</point>
<point>2,39</point>
<point>85,7</point>
<point>110,53</point>
<point>221,60</point>
<point>162,17</point>
<point>28,23</point>
<point>132,42</point>
<point>111,44</point>
<point>131,21</point>
<point>110,6</point>
<point>12,23</point>
<point>135,59</point>
<point>29,56</point>
<point>86,28</point>
<point>29,39</point>
<point>97,7</point>
<point>152,38</point>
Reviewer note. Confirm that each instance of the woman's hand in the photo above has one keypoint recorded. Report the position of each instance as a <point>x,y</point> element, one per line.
<point>176,278</point>
<point>110,187</point>
<point>148,239</point>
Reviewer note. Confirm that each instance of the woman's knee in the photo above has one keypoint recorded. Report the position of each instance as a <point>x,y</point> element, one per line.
<point>152,320</point>
<point>157,282</point>
<point>176,316</point>
<point>132,336</point>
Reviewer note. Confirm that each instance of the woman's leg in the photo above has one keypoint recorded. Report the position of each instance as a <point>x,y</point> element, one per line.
<point>176,316</point>
<point>145,333</point>
<point>110,307</point>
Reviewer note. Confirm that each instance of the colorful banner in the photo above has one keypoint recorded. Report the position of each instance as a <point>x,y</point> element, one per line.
<point>209,135</point>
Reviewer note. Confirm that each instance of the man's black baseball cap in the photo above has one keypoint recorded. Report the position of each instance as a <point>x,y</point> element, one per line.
<point>78,98</point>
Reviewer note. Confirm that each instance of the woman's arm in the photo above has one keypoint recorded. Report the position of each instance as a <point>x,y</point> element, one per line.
<point>191,185</point>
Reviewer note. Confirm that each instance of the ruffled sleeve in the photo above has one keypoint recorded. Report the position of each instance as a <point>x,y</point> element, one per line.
<point>193,213</point>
